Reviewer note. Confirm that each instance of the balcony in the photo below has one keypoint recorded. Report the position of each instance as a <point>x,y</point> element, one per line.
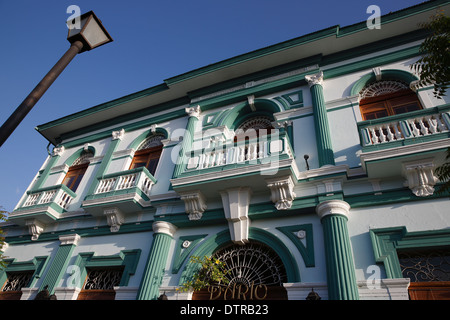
<point>388,142</point>
<point>127,191</point>
<point>414,127</point>
<point>45,204</point>
<point>250,162</point>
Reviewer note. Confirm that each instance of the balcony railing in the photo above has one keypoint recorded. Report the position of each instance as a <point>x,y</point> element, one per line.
<point>135,178</point>
<point>59,194</point>
<point>416,124</point>
<point>251,151</point>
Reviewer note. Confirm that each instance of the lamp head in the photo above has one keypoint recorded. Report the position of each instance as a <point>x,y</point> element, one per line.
<point>90,31</point>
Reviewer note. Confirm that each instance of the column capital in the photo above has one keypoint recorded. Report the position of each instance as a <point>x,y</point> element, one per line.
<point>193,111</point>
<point>118,135</point>
<point>314,79</point>
<point>333,207</point>
<point>164,227</point>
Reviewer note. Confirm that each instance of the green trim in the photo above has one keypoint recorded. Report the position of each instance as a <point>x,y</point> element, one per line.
<point>182,253</point>
<point>106,161</point>
<point>213,243</point>
<point>58,267</point>
<point>128,259</point>
<point>368,63</point>
<point>44,175</point>
<point>37,264</point>
<point>146,134</point>
<point>144,226</point>
<point>307,251</point>
<point>70,160</point>
<point>387,241</point>
<point>118,122</point>
<point>388,74</point>
<point>243,111</point>
<point>186,146</point>
<point>298,103</point>
<point>369,199</point>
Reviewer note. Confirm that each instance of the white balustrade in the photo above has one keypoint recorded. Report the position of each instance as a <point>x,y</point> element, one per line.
<point>403,129</point>
<point>234,153</point>
<point>57,195</point>
<point>126,181</point>
<point>32,199</point>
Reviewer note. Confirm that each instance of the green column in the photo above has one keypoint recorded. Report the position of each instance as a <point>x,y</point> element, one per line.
<point>341,278</point>
<point>54,157</point>
<point>60,261</point>
<point>194,113</point>
<point>116,138</point>
<point>323,137</point>
<point>157,260</point>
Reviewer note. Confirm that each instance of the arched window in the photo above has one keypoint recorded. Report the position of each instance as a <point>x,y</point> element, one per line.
<point>77,171</point>
<point>260,124</point>
<point>148,153</point>
<point>387,98</point>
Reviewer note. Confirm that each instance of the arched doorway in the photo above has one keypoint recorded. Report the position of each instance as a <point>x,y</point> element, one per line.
<point>254,272</point>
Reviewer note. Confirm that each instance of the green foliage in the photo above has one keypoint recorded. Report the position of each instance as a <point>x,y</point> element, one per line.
<point>211,271</point>
<point>443,173</point>
<point>434,66</point>
<point>3,217</point>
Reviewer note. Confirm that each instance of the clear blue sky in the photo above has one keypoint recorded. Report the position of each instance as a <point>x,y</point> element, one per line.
<point>153,41</point>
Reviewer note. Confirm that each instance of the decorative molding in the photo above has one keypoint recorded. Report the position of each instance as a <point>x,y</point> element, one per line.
<point>251,102</point>
<point>314,79</point>
<point>35,228</point>
<point>193,111</point>
<point>332,207</point>
<point>236,202</point>
<point>282,124</point>
<point>69,239</point>
<point>58,151</point>
<point>114,217</point>
<point>194,203</point>
<point>164,227</point>
<point>282,192</point>
<point>118,134</point>
<point>62,168</point>
<point>377,72</point>
<point>153,128</point>
<point>420,177</point>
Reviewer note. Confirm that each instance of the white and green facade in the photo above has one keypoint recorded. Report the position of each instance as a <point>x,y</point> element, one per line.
<point>336,197</point>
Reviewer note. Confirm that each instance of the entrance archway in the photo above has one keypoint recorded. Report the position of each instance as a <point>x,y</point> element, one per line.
<point>254,272</point>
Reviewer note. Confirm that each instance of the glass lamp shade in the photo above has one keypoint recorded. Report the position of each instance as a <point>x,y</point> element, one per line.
<point>90,32</point>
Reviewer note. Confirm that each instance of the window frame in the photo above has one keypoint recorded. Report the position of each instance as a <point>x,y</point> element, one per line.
<point>148,155</point>
<point>386,103</point>
<point>77,171</point>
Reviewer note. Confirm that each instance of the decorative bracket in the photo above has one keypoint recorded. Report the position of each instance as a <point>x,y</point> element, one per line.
<point>35,228</point>
<point>114,217</point>
<point>235,205</point>
<point>282,190</point>
<point>420,177</point>
<point>194,204</point>
<point>58,151</point>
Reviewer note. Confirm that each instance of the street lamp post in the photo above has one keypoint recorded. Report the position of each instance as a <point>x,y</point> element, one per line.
<point>90,35</point>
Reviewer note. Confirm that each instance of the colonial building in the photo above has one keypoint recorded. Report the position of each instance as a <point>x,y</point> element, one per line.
<point>307,167</point>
